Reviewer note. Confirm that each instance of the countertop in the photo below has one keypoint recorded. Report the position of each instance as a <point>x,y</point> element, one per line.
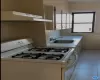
<point>76,39</point>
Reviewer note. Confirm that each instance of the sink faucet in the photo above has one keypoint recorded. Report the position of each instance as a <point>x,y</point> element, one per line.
<point>52,39</point>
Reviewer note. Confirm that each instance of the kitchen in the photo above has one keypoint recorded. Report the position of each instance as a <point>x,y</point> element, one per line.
<point>33,24</point>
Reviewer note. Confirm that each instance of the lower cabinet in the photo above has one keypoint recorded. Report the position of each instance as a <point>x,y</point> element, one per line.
<point>49,14</point>
<point>78,48</point>
<point>69,73</point>
<point>15,69</point>
<point>70,66</point>
<point>73,58</point>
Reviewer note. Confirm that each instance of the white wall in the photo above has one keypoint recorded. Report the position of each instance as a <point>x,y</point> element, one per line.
<point>90,40</point>
<point>59,4</point>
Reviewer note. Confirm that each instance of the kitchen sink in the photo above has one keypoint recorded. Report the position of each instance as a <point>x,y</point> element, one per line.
<point>63,41</point>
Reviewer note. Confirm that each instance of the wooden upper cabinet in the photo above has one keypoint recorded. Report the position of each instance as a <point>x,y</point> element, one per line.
<point>26,6</point>
<point>49,14</point>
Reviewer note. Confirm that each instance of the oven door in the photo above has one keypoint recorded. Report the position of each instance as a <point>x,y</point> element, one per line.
<point>70,65</point>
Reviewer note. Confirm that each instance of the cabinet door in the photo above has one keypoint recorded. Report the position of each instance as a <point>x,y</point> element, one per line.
<point>26,6</point>
<point>49,14</point>
<point>71,63</point>
<point>29,70</point>
<point>69,73</point>
<point>78,49</point>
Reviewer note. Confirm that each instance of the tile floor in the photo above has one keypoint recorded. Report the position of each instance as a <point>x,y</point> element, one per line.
<point>88,66</point>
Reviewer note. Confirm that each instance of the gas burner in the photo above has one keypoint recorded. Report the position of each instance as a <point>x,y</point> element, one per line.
<point>41,49</point>
<point>27,55</point>
<point>43,53</point>
<point>54,56</point>
<point>60,50</point>
<point>43,56</point>
<point>63,50</point>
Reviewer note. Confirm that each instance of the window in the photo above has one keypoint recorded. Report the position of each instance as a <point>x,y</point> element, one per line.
<point>83,21</point>
<point>61,21</point>
<point>69,21</point>
<point>58,21</point>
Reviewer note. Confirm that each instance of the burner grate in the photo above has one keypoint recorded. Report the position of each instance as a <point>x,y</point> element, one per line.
<point>43,56</point>
<point>64,50</point>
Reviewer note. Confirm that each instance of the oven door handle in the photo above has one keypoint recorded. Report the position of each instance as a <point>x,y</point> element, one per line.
<point>76,58</point>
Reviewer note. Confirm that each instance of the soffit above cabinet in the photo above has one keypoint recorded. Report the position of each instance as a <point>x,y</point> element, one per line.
<point>19,16</point>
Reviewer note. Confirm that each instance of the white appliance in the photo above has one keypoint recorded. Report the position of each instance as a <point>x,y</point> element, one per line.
<point>20,60</point>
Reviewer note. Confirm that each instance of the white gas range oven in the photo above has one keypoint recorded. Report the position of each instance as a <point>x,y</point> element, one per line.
<point>20,60</point>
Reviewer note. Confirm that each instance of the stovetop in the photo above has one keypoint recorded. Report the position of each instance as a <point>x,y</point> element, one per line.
<point>43,53</point>
<point>42,56</point>
<point>64,50</point>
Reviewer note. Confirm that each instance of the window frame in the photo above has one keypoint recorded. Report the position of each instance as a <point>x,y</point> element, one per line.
<point>93,23</point>
<point>59,22</point>
<point>61,28</point>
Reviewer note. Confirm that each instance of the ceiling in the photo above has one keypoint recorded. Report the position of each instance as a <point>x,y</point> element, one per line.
<point>84,0</point>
